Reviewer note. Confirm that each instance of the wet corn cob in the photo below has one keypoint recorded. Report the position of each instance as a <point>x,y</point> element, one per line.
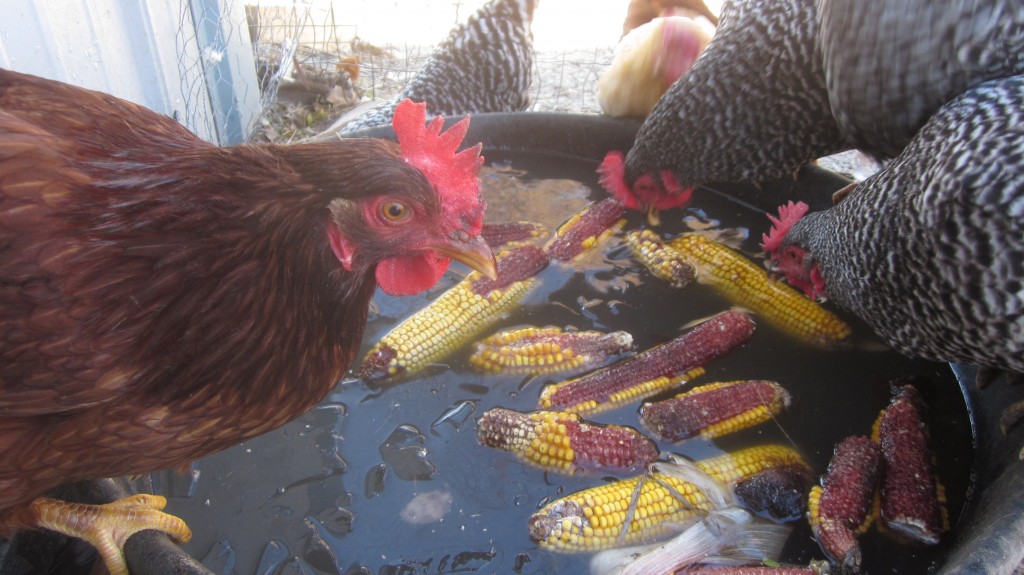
<point>779,492</point>
<point>564,443</point>
<point>458,315</point>
<point>715,409</point>
<point>653,370</point>
<point>748,285</point>
<point>661,260</point>
<point>840,508</point>
<point>815,568</point>
<point>584,229</point>
<point>535,351</point>
<point>646,507</point>
<point>497,235</point>
<point>912,500</point>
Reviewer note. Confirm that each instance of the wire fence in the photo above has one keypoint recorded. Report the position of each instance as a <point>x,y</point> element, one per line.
<point>311,66</point>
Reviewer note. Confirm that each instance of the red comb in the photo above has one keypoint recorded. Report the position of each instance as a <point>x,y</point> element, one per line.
<point>645,191</point>
<point>789,214</point>
<point>425,147</point>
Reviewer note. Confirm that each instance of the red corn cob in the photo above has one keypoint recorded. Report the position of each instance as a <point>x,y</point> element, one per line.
<point>715,409</point>
<point>520,264</point>
<point>911,502</point>
<point>840,508</point>
<point>581,231</point>
<point>497,235</point>
<point>565,443</point>
<point>630,379</point>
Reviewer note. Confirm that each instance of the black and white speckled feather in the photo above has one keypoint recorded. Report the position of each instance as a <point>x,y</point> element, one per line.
<point>784,82</point>
<point>485,65</point>
<point>729,118</point>
<point>930,250</point>
<point>891,64</point>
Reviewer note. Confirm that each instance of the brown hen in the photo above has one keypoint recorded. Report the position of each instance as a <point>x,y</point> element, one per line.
<point>163,298</point>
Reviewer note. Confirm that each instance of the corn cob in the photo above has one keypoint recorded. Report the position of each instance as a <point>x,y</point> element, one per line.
<point>715,409</point>
<point>649,372</point>
<point>537,351</point>
<point>564,443</point>
<point>815,568</point>
<point>497,235</point>
<point>584,229</point>
<point>840,508</point>
<point>912,501</point>
<point>748,285</point>
<point>458,315</point>
<point>779,492</point>
<point>646,507</point>
<point>661,260</point>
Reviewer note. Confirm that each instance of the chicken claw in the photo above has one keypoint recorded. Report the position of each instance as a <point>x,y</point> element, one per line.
<point>108,527</point>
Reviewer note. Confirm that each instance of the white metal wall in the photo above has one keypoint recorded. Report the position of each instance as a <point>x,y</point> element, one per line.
<point>189,60</point>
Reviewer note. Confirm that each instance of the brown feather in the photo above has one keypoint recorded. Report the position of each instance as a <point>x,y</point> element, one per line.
<point>164,298</point>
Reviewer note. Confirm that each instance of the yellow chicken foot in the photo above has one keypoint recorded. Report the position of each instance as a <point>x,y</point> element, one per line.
<point>106,527</point>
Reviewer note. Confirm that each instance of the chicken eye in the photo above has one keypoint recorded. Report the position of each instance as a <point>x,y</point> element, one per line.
<point>394,211</point>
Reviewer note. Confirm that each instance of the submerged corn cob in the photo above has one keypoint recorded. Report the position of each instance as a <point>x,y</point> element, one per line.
<point>601,517</point>
<point>840,508</point>
<point>912,500</point>
<point>779,492</point>
<point>564,443</point>
<point>715,409</point>
<point>653,370</point>
<point>661,260</point>
<point>536,351</point>
<point>497,235</point>
<point>815,568</point>
<point>584,229</point>
<point>458,315</point>
<point>748,285</point>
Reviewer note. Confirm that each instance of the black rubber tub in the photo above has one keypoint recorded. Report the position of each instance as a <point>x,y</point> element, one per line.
<point>329,492</point>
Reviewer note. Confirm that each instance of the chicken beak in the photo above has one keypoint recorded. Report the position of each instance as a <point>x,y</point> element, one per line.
<point>475,253</point>
<point>652,216</point>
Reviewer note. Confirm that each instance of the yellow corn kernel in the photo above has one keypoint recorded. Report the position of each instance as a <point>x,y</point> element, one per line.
<point>565,443</point>
<point>447,324</point>
<point>661,260</point>
<point>748,285</point>
<point>600,517</point>
<point>534,351</point>
<point>616,399</point>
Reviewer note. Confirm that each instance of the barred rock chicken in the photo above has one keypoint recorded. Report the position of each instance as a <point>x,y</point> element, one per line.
<point>164,298</point>
<point>485,65</point>
<point>930,250</point>
<point>782,84</point>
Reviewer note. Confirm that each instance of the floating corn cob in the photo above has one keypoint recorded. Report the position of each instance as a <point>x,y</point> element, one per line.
<point>564,443</point>
<point>536,351</point>
<point>715,409</point>
<point>653,370</point>
<point>661,260</point>
<point>497,235</point>
<point>646,507</point>
<point>912,501</point>
<point>748,285</point>
<point>584,229</point>
<point>779,493</point>
<point>840,508</point>
<point>812,569</point>
<point>459,314</point>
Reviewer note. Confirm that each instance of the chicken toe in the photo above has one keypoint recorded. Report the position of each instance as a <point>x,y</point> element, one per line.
<point>108,527</point>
